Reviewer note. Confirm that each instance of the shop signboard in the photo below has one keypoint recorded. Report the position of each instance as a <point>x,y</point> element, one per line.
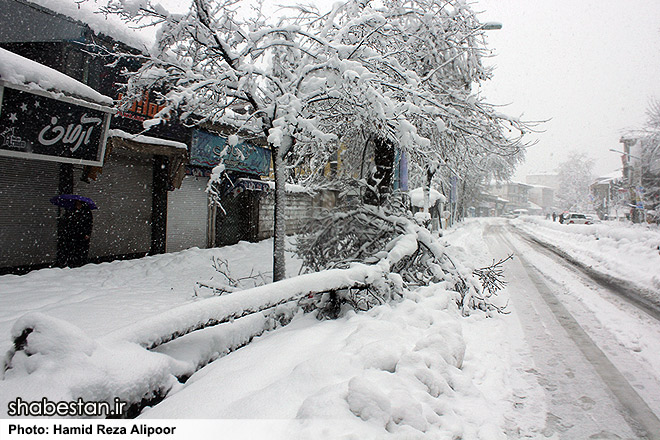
<point>208,150</point>
<point>36,126</point>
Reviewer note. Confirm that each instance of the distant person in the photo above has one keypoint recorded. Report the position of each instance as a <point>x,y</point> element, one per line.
<point>561,218</point>
<point>554,216</point>
<point>77,228</point>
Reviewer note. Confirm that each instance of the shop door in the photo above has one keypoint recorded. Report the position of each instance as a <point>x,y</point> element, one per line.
<point>239,220</point>
<point>187,215</point>
<point>123,194</point>
<point>28,221</point>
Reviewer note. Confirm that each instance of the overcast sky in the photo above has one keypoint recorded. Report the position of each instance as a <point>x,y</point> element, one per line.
<point>591,66</point>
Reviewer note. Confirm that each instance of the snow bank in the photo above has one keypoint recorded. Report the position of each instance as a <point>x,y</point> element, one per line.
<point>623,250</point>
<point>390,372</point>
<point>58,361</point>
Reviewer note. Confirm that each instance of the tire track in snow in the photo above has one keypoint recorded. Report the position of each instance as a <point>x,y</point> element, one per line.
<point>640,417</point>
<point>634,295</point>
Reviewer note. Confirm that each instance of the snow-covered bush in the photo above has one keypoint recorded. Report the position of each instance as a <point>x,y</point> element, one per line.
<point>408,253</point>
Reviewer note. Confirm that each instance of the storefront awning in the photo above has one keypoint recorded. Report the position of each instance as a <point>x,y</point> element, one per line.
<point>176,152</point>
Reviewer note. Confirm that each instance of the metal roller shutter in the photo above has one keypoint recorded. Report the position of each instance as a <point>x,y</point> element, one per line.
<point>123,194</point>
<point>28,221</point>
<point>187,215</point>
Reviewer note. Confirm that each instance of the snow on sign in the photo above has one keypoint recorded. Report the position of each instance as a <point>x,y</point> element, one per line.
<point>35,126</point>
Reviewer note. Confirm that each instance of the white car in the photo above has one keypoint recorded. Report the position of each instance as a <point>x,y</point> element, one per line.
<point>578,219</point>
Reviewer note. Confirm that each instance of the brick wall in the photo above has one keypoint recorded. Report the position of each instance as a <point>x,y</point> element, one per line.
<point>300,207</point>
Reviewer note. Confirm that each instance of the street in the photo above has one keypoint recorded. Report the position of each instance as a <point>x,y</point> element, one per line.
<point>570,360</point>
<point>593,387</point>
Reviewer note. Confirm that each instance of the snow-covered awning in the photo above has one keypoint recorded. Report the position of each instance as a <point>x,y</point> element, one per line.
<point>176,152</point>
<point>22,73</point>
<point>142,139</point>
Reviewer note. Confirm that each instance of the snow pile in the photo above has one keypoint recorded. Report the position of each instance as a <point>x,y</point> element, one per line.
<point>407,381</point>
<point>58,361</point>
<point>623,250</point>
<point>19,71</point>
<point>390,372</point>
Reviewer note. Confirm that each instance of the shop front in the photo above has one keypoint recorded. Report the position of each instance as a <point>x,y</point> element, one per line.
<point>44,132</point>
<point>238,217</point>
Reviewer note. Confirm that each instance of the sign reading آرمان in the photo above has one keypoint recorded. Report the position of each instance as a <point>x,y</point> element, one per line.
<point>34,126</point>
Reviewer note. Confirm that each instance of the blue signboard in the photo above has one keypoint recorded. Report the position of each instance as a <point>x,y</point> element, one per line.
<point>453,192</point>
<point>208,150</point>
<point>401,171</point>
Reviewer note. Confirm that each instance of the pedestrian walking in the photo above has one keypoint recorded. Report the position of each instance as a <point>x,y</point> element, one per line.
<point>75,229</point>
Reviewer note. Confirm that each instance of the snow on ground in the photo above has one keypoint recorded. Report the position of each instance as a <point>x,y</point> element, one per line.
<point>101,298</point>
<point>624,250</point>
<point>401,368</point>
<point>629,337</point>
<point>414,368</point>
<point>392,370</point>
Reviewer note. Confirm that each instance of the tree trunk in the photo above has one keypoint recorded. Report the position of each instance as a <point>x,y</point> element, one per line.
<point>380,182</point>
<point>427,191</point>
<point>279,227</point>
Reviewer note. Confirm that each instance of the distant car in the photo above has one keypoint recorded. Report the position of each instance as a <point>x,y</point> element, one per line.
<point>577,219</point>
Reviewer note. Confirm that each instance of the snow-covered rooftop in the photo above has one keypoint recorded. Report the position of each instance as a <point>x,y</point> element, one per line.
<point>609,177</point>
<point>88,12</point>
<point>19,71</point>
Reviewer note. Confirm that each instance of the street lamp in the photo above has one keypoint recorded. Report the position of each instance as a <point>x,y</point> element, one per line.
<point>626,154</point>
<point>491,26</point>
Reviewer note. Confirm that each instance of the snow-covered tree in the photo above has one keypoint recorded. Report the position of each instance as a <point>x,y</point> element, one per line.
<point>400,72</point>
<point>223,65</point>
<point>425,55</point>
<point>650,155</point>
<point>575,176</point>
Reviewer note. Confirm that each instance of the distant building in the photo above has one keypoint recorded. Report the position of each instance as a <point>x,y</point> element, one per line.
<point>490,205</point>
<point>641,178</point>
<point>550,180</point>
<point>516,193</point>
<point>543,197</point>
<point>610,197</point>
